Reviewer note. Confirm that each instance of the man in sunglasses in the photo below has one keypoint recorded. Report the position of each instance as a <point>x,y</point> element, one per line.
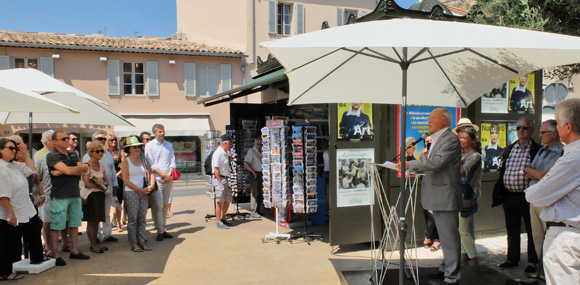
<point>73,142</point>
<point>105,228</point>
<point>65,169</point>
<point>513,182</point>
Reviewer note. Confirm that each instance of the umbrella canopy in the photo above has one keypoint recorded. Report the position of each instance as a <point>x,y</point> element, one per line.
<point>91,110</point>
<point>19,100</point>
<point>449,63</point>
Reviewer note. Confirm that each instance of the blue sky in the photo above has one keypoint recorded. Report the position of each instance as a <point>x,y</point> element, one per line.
<point>125,18</point>
<point>119,17</point>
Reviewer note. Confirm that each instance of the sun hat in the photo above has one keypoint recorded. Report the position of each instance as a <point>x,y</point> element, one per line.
<point>463,123</point>
<point>132,141</point>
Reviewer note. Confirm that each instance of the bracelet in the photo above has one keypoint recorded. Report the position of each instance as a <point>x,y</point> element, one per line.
<point>42,196</point>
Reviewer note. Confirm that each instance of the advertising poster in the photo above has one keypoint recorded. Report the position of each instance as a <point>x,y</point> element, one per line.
<point>355,121</point>
<point>354,181</point>
<point>493,142</point>
<point>495,101</point>
<point>512,133</point>
<point>521,94</point>
<point>417,125</point>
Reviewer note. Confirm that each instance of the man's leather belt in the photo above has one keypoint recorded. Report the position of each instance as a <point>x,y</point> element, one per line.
<point>556,224</point>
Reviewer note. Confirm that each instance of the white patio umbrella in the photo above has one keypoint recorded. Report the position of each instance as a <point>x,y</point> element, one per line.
<point>410,61</point>
<point>19,100</point>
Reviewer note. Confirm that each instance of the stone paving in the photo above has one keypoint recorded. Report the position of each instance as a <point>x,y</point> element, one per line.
<point>200,253</point>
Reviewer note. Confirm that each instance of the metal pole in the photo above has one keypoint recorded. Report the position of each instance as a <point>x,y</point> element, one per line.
<point>30,134</point>
<point>402,158</point>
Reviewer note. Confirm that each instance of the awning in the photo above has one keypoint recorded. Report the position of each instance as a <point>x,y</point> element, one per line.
<point>175,125</point>
<point>255,85</point>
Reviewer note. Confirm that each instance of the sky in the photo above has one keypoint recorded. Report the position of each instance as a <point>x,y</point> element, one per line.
<point>125,18</point>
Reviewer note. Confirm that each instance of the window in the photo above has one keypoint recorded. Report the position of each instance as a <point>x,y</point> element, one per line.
<point>133,78</point>
<point>26,63</point>
<point>208,79</point>
<point>284,16</point>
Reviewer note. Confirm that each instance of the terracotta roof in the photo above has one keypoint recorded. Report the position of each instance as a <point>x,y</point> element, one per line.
<point>456,10</point>
<point>108,43</point>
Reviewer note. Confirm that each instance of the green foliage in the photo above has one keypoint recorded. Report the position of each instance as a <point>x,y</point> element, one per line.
<point>555,16</point>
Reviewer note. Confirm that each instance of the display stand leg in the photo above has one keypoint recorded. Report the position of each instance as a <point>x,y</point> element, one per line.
<point>237,214</point>
<point>277,236</point>
<point>307,237</point>
<point>210,216</point>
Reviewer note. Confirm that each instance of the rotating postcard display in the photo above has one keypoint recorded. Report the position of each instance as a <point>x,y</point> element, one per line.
<point>304,198</point>
<point>233,164</point>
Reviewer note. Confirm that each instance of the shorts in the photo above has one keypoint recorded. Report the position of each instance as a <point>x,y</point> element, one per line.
<point>67,209</point>
<point>223,191</point>
<point>44,211</point>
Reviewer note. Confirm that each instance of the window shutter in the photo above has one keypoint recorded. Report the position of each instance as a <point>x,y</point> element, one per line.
<point>113,70</point>
<point>300,18</point>
<point>273,17</point>
<point>189,73</point>
<point>213,79</point>
<point>202,75</point>
<point>226,77</point>
<point>339,16</point>
<point>4,62</point>
<point>152,78</point>
<point>47,65</point>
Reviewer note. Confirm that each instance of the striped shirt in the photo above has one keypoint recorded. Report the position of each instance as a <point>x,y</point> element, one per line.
<point>514,178</point>
<point>559,191</point>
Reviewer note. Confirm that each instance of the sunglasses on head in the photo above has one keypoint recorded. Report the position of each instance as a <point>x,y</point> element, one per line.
<point>11,148</point>
<point>99,151</point>
<point>100,139</point>
<point>522,128</point>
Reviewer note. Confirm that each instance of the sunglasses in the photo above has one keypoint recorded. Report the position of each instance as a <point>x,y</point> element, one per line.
<point>74,139</point>
<point>147,140</point>
<point>545,132</point>
<point>522,128</point>
<point>113,140</point>
<point>11,148</point>
<point>99,151</point>
<point>100,139</point>
<point>63,139</point>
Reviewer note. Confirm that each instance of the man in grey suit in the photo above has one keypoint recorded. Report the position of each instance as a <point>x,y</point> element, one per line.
<point>441,192</point>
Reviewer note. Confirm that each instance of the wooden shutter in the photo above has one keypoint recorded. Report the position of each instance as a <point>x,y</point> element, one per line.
<point>190,84</point>
<point>4,62</point>
<point>299,18</point>
<point>113,70</point>
<point>152,78</point>
<point>47,65</point>
<point>272,17</point>
<point>213,79</point>
<point>339,16</point>
<point>226,77</point>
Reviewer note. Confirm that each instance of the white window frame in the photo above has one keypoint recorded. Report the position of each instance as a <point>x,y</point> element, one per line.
<point>133,73</point>
<point>284,19</point>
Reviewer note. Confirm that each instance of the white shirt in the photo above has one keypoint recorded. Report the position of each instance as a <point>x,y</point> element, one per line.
<point>221,160</point>
<point>254,158</point>
<point>161,156</point>
<point>434,138</point>
<point>15,187</point>
<point>43,175</point>
<point>109,164</point>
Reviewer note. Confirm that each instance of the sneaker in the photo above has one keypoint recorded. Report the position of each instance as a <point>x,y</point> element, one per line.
<point>60,262</point>
<point>225,222</point>
<point>255,216</point>
<point>221,225</point>
<point>79,255</point>
<point>507,264</point>
<point>167,235</point>
<point>110,239</point>
<point>159,237</point>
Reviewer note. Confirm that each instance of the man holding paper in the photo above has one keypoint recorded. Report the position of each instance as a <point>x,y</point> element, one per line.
<point>441,191</point>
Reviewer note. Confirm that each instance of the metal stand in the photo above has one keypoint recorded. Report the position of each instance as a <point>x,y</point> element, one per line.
<point>237,214</point>
<point>277,236</point>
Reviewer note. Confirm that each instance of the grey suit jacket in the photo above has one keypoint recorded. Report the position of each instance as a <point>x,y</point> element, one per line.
<point>440,188</point>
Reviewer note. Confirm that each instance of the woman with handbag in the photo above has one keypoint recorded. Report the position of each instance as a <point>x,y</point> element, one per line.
<point>94,208</point>
<point>139,182</point>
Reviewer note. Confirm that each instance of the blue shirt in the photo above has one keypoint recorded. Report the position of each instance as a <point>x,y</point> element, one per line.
<point>546,158</point>
<point>559,190</point>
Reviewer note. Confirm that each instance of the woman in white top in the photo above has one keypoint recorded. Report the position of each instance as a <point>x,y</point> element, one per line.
<point>94,208</point>
<point>17,213</point>
<point>134,169</point>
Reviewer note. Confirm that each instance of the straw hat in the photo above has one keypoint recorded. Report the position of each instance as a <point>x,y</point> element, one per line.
<point>132,141</point>
<point>463,123</point>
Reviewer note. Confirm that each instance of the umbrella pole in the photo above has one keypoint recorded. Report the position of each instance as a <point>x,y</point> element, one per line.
<point>30,134</point>
<point>403,159</point>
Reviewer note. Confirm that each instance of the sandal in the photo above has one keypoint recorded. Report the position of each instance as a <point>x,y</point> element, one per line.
<point>136,248</point>
<point>427,243</point>
<point>100,250</point>
<point>144,247</point>
<point>12,276</point>
<point>436,246</point>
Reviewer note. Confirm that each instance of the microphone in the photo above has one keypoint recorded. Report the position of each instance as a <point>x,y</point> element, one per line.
<point>424,136</point>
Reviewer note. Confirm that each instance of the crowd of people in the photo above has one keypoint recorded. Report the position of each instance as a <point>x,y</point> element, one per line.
<point>49,195</point>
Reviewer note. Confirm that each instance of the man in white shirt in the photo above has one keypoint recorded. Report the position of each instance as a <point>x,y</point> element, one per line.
<point>253,164</point>
<point>220,163</point>
<point>105,228</point>
<point>160,154</point>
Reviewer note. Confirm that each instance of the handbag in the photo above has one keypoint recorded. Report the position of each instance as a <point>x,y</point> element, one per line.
<point>146,177</point>
<point>175,174</point>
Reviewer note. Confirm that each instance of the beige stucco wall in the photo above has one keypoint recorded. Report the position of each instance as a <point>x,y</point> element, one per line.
<point>84,70</point>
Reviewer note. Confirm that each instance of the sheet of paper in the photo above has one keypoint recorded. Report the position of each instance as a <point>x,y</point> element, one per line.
<point>390,165</point>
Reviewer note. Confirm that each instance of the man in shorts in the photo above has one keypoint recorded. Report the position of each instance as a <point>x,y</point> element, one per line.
<point>221,171</point>
<point>65,169</point>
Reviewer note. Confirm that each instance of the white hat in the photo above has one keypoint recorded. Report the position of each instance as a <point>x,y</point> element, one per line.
<point>464,122</point>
